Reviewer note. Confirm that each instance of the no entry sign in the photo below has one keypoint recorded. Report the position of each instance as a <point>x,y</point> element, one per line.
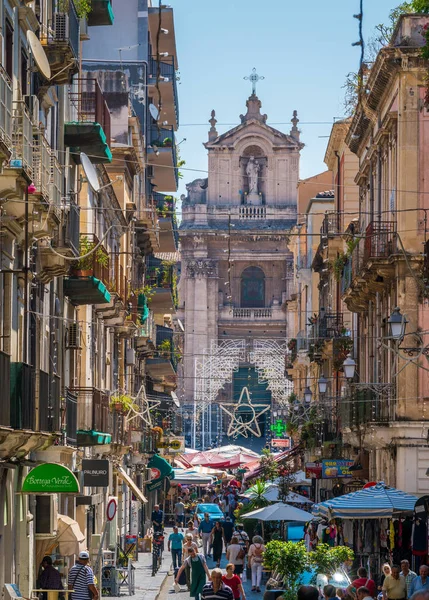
<point>111,509</point>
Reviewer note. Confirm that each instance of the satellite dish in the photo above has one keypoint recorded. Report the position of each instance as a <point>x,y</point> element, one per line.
<point>154,111</point>
<point>39,54</point>
<point>90,172</point>
<point>180,324</point>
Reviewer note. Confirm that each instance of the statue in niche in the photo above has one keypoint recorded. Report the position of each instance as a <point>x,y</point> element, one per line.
<point>252,172</point>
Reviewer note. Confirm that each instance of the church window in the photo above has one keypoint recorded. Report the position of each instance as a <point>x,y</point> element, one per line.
<point>253,288</point>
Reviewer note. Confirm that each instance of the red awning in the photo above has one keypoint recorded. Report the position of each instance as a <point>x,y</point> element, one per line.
<point>219,461</point>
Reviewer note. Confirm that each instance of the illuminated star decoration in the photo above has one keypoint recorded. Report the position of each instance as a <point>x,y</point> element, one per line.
<point>237,426</point>
<point>144,411</point>
<point>278,427</point>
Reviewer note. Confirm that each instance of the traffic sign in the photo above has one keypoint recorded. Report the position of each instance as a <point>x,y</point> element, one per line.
<point>111,509</point>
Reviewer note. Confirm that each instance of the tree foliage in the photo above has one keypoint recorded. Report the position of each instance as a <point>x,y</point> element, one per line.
<point>269,467</point>
<point>327,560</point>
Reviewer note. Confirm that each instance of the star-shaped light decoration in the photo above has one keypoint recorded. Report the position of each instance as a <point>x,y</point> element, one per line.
<point>143,412</point>
<point>237,426</point>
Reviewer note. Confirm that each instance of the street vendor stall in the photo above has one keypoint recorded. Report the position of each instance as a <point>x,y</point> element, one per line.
<point>377,522</point>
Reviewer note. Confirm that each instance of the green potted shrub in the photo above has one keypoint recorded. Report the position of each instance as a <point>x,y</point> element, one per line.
<point>168,142</point>
<point>121,403</point>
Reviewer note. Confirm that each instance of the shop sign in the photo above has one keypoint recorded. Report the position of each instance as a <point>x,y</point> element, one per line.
<point>331,469</point>
<point>281,443</point>
<point>95,473</point>
<point>134,517</point>
<point>171,443</point>
<point>131,546</point>
<point>50,478</point>
<point>313,470</point>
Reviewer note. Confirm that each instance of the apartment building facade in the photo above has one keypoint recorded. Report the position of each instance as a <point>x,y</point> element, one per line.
<point>88,253</point>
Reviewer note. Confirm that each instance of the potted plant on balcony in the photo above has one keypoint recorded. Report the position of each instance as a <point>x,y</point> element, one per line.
<point>167,143</point>
<point>84,267</point>
<point>122,404</point>
<point>164,349</point>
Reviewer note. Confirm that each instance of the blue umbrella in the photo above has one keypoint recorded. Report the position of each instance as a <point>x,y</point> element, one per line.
<point>374,502</point>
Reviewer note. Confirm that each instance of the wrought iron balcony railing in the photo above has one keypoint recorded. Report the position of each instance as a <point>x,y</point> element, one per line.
<point>22,139</point>
<point>49,402</point>
<point>90,105</point>
<point>6,108</point>
<point>379,240</point>
<point>331,225</point>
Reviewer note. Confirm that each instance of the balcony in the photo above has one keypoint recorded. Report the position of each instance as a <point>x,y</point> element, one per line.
<point>90,132</point>
<point>22,397</point>
<point>161,154</point>
<point>168,234</point>
<point>161,279</point>
<point>165,19</point>
<point>252,212</point>
<point>164,365</point>
<point>6,108</point>
<point>165,73</point>
<point>89,277</point>
<point>331,225</point>
<point>328,326</point>
<point>94,419</point>
<point>101,13</point>
<point>147,223</point>
<point>379,241</point>
<point>146,336</point>
<point>47,179</point>
<point>60,41</point>
<point>246,315</point>
<point>49,402</point>
<point>71,418</point>
<point>5,379</point>
<point>366,406</point>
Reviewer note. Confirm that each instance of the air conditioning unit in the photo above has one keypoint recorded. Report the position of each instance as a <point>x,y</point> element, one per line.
<point>73,336</point>
<point>46,516</point>
<point>61,26</point>
<point>131,356</point>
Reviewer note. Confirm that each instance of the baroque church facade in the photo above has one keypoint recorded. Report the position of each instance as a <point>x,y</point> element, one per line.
<point>237,277</point>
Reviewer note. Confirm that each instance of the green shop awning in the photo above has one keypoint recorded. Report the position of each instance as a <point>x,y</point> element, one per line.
<point>50,478</point>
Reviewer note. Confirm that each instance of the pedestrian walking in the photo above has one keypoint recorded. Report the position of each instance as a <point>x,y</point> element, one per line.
<point>198,572</point>
<point>420,583</point>
<point>394,586</point>
<point>217,538</point>
<point>364,580</point>
<point>385,571</point>
<point>179,512</point>
<point>256,558</point>
<point>228,529</point>
<point>157,518</point>
<point>189,543</point>
<point>216,588</point>
<point>193,531</point>
<point>50,579</point>
<point>81,579</point>
<point>175,546</point>
<point>236,555</point>
<point>205,530</point>
<point>234,582</point>
<point>407,574</point>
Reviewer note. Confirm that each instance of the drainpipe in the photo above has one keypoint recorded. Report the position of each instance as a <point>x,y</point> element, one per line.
<point>25,334</point>
<point>379,196</point>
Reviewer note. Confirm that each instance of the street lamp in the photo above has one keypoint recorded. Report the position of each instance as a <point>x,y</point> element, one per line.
<point>307,395</point>
<point>397,323</point>
<point>349,366</point>
<point>323,385</point>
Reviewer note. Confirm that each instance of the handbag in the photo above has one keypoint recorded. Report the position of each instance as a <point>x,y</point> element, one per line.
<point>241,553</point>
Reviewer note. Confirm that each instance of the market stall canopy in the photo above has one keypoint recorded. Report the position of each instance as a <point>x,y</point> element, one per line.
<point>131,484</point>
<point>219,461</point>
<point>279,512</point>
<point>189,477</point>
<point>70,538</point>
<point>370,503</point>
<point>272,495</point>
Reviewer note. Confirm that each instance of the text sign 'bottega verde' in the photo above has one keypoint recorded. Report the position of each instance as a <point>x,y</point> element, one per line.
<point>50,478</point>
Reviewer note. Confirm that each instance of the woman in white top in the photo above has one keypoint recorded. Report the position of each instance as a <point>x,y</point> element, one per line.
<point>193,531</point>
<point>236,555</point>
<point>256,559</point>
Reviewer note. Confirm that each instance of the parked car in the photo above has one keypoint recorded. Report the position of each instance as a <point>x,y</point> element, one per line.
<point>213,509</point>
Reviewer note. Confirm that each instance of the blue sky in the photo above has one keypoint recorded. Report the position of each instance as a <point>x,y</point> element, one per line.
<point>303,49</point>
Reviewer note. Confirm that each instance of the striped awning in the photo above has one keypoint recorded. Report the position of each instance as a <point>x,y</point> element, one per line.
<point>370,503</point>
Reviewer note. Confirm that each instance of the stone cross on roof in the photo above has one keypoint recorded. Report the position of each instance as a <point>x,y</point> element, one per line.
<point>254,78</point>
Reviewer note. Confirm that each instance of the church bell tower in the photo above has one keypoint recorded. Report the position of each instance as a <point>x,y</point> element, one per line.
<point>237,274</point>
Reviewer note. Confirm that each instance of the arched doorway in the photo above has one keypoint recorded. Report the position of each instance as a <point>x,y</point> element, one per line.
<point>252,288</point>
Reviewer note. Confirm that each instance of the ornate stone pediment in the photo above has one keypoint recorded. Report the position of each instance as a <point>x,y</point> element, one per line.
<point>201,267</point>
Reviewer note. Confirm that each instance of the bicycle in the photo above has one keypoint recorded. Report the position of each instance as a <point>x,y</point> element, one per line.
<point>157,549</point>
